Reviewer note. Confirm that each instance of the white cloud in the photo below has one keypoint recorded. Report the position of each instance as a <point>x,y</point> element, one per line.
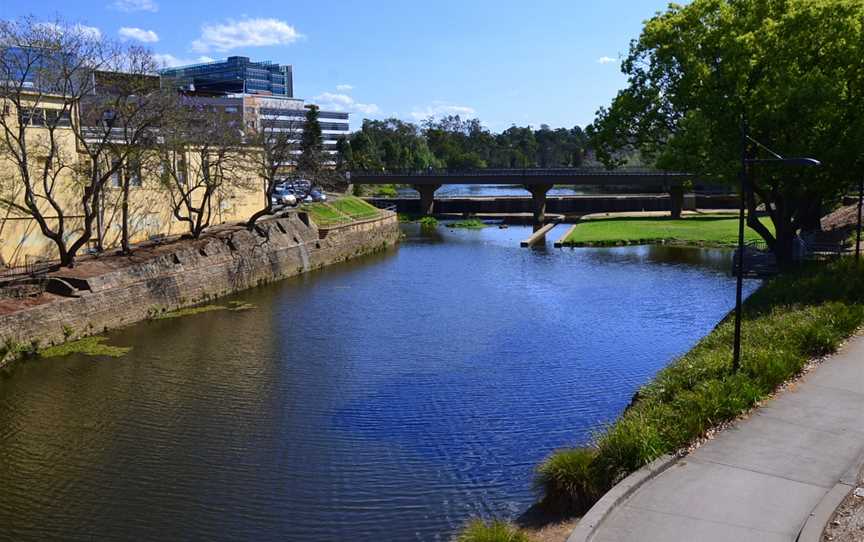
<point>442,109</point>
<point>344,88</point>
<point>169,61</point>
<point>244,33</point>
<point>343,102</point>
<point>87,31</point>
<point>139,34</point>
<point>135,5</point>
<point>605,60</point>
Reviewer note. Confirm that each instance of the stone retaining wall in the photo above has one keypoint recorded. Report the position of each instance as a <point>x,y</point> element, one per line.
<point>229,261</point>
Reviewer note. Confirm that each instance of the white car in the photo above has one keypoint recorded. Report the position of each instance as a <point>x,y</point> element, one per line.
<point>282,196</point>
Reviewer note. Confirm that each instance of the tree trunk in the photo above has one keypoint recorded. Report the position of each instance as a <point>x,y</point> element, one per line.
<point>784,245</point>
<point>811,215</point>
<point>267,209</point>
<point>124,216</point>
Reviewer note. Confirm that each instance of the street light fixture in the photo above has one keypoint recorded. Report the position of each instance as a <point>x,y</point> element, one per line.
<point>745,163</point>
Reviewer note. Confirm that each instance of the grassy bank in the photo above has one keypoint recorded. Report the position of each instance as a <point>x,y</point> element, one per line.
<point>704,230</point>
<point>341,210</point>
<point>790,320</point>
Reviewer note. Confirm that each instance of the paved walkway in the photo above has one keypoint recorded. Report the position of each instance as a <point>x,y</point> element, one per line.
<point>761,479</point>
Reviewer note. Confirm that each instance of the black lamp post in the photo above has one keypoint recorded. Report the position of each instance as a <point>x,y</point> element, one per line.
<point>745,163</point>
<point>858,231</point>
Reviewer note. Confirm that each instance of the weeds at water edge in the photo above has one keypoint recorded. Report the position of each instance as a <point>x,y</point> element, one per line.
<point>793,318</point>
<point>496,531</point>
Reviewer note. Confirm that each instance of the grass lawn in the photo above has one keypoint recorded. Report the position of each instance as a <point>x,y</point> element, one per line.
<point>341,210</point>
<point>712,230</point>
<point>791,319</point>
<point>355,207</point>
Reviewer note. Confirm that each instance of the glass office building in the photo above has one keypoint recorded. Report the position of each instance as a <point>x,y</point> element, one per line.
<point>234,75</point>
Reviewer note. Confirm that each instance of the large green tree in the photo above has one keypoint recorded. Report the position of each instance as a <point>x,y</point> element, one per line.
<point>790,69</point>
<point>390,144</point>
<point>455,143</point>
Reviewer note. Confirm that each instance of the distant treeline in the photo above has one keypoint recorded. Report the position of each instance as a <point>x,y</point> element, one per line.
<point>454,143</point>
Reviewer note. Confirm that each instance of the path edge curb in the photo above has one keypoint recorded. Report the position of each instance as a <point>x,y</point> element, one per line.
<point>818,519</point>
<point>619,493</point>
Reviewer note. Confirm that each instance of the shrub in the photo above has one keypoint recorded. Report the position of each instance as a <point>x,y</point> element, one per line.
<point>386,191</point>
<point>428,222</point>
<point>496,531</point>
<point>468,224</point>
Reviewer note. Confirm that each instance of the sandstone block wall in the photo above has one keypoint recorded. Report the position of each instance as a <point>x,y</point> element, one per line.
<point>229,262</point>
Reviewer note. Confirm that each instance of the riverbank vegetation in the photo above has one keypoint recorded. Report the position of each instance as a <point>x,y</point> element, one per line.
<point>496,531</point>
<point>428,222</point>
<point>340,210</point>
<point>89,346</point>
<point>234,306</point>
<point>468,224</point>
<point>376,190</point>
<point>702,230</point>
<point>793,318</point>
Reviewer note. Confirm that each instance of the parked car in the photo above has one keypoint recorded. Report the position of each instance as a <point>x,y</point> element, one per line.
<point>318,195</point>
<point>282,195</point>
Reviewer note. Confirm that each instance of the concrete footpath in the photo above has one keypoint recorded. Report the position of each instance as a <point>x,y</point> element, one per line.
<point>795,457</point>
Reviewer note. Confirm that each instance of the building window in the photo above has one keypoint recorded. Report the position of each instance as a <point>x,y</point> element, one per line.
<point>31,117</point>
<point>134,172</point>
<point>115,175</point>
<point>56,117</point>
<point>181,170</point>
<point>231,109</point>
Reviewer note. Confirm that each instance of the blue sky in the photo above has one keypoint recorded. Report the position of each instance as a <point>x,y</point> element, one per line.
<point>503,61</point>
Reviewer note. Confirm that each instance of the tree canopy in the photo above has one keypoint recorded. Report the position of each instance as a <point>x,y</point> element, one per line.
<point>790,69</point>
<point>456,143</point>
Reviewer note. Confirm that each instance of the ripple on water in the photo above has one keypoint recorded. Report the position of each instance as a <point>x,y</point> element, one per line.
<point>391,398</point>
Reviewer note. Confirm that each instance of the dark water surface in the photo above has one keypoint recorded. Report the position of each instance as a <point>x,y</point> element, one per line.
<point>389,398</point>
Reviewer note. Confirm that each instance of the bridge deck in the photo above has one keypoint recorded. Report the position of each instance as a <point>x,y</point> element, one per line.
<point>537,176</point>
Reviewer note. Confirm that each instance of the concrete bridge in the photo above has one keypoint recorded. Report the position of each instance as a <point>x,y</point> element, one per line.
<point>538,181</point>
<point>567,206</point>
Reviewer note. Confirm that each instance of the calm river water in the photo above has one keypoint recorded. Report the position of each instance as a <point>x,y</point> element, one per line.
<point>390,398</point>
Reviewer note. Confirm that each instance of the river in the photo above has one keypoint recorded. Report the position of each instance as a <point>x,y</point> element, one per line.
<point>388,398</point>
<point>503,190</point>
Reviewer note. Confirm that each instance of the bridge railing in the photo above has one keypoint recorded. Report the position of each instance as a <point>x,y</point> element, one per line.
<point>527,172</point>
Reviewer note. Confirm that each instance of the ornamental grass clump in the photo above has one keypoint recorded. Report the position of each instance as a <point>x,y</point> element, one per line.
<point>496,531</point>
<point>567,480</point>
<point>792,319</point>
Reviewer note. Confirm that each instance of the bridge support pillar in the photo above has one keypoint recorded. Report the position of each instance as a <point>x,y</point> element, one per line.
<point>676,201</point>
<point>427,197</point>
<point>538,200</point>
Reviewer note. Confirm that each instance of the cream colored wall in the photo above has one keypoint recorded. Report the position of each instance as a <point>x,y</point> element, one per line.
<point>149,205</point>
<point>19,234</point>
